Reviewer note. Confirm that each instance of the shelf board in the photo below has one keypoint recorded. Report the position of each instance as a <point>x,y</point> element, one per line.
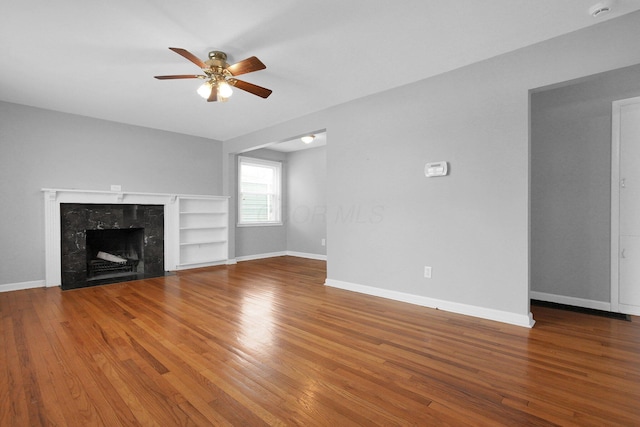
<point>205,227</point>
<point>211,262</point>
<point>203,213</point>
<point>206,242</point>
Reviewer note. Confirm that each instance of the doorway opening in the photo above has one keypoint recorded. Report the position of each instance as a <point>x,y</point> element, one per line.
<point>571,188</point>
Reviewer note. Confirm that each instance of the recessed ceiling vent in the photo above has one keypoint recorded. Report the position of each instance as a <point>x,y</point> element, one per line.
<point>600,9</point>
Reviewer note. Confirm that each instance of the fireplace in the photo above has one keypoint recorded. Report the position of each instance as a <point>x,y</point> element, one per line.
<point>167,244</point>
<point>110,243</point>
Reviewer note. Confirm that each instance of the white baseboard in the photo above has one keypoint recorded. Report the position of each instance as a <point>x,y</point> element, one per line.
<point>576,302</point>
<point>629,309</point>
<point>283,253</point>
<point>307,255</point>
<point>468,310</point>
<point>23,285</point>
<point>260,256</point>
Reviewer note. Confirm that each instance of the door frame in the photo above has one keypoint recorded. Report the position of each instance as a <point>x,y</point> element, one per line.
<point>615,199</point>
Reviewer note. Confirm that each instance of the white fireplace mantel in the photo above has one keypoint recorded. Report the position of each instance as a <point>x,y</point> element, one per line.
<point>53,197</point>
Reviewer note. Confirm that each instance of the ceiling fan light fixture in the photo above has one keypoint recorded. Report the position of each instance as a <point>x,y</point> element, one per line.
<point>224,89</point>
<point>308,139</point>
<point>205,90</point>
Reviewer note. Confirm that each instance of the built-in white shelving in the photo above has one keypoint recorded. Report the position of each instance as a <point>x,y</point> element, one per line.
<point>203,227</point>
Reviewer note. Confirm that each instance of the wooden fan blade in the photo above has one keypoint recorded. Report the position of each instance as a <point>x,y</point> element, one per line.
<point>251,88</point>
<point>245,66</point>
<point>179,76</point>
<point>190,56</point>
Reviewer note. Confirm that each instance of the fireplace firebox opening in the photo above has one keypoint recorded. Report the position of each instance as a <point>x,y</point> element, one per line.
<point>114,253</point>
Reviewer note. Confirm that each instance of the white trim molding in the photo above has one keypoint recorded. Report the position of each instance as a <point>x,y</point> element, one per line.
<point>319,257</point>
<point>616,122</point>
<point>21,286</point>
<point>283,253</point>
<point>634,310</point>
<point>198,265</point>
<point>453,307</point>
<point>260,256</point>
<point>576,302</point>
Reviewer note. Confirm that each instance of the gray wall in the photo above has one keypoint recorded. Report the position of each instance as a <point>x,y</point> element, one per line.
<point>304,206</point>
<point>570,184</point>
<point>258,240</point>
<point>386,221</point>
<point>307,199</point>
<point>41,148</point>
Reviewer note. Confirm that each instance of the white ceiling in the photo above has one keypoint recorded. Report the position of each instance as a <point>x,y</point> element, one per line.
<point>296,144</point>
<point>98,58</point>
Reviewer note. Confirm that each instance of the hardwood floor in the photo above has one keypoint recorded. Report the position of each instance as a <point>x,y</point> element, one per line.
<point>265,343</point>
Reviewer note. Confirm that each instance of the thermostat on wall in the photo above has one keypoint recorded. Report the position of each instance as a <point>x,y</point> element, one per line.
<point>435,169</point>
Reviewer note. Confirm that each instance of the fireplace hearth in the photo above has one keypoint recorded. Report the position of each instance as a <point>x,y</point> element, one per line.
<point>110,243</point>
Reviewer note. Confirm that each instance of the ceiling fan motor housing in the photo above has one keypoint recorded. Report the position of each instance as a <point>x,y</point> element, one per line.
<point>217,59</point>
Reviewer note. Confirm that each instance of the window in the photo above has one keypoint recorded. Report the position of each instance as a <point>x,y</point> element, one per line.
<point>259,189</point>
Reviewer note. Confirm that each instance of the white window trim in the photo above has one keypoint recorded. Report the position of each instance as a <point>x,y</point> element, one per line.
<point>270,163</point>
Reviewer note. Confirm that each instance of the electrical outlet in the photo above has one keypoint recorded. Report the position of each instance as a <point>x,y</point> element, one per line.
<point>115,187</point>
<point>427,272</point>
<point>323,242</point>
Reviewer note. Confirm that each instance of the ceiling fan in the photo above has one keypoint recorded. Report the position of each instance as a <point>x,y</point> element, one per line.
<point>219,76</point>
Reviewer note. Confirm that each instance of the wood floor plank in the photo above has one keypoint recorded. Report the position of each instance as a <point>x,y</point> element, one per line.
<point>13,402</point>
<point>264,342</point>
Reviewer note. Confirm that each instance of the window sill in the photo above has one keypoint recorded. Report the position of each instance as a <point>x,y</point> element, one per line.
<point>261,224</point>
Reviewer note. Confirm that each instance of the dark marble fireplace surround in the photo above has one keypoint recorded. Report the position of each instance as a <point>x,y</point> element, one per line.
<point>76,219</point>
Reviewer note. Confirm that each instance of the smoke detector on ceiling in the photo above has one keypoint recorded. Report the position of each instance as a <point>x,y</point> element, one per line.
<point>602,8</point>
